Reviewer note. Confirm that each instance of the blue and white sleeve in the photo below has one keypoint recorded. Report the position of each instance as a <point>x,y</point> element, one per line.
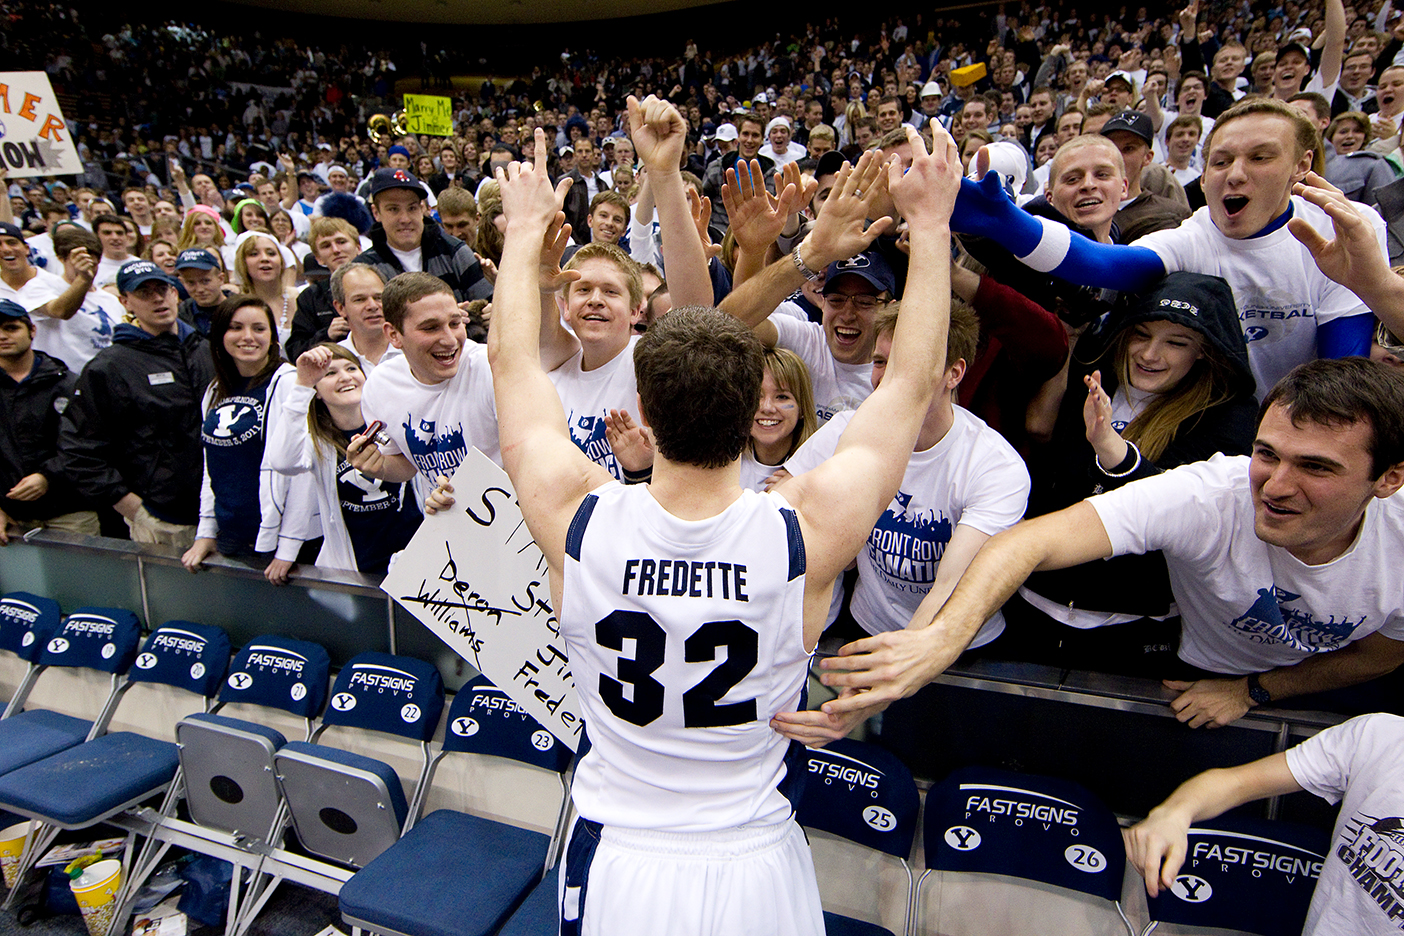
<point>1041,244</point>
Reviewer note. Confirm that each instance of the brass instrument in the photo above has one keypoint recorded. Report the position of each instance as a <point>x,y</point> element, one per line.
<point>384,130</point>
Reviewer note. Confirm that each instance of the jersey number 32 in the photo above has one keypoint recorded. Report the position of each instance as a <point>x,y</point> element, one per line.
<point>700,703</point>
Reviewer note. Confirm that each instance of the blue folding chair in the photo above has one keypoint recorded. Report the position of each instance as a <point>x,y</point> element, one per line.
<point>456,874</point>
<point>984,826</point>
<point>540,913</point>
<point>231,794</point>
<point>1244,875</point>
<point>859,799</point>
<point>26,623</point>
<point>346,807</point>
<point>112,772</point>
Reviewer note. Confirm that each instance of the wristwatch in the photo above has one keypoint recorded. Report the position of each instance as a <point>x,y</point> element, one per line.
<point>805,271</point>
<point>1256,692</point>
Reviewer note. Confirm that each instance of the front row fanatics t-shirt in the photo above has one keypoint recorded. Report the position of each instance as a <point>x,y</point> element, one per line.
<point>434,425</point>
<point>972,477</point>
<point>1246,606</point>
<point>1359,764</point>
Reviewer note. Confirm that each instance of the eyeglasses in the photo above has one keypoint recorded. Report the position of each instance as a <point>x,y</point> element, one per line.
<point>861,302</point>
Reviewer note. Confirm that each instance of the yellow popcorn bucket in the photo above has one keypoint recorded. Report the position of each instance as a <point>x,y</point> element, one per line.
<point>96,892</point>
<point>11,848</point>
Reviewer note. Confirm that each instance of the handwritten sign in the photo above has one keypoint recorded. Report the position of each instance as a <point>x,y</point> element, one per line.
<point>426,113</point>
<point>34,140</point>
<point>474,576</point>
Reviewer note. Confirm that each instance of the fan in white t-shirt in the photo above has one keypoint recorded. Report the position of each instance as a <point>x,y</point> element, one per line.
<point>595,375</point>
<point>1284,566</point>
<point>436,399</point>
<point>1360,891</point>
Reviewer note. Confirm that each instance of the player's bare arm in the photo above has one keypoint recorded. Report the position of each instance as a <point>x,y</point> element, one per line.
<point>841,500</point>
<point>549,472</point>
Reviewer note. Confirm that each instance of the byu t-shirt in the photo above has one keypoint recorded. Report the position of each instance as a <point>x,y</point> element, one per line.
<point>434,425</point>
<point>1357,764</point>
<point>972,477</point>
<point>1281,294</point>
<point>837,387</point>
<point>1246,606</point>
<point>588,396</point>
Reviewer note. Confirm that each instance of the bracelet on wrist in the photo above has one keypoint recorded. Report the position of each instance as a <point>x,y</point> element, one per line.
<point>1122,472</point>
<point>801,266</point>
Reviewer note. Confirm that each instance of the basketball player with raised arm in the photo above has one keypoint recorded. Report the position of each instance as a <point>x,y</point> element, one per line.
<point>690,607</point>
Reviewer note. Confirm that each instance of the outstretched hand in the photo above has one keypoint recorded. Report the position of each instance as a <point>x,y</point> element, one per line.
<point>1353,257</point>
<point>756,217</point>
<point>552,278</point>
<point>926,193</point>
<point>631,443</point>
<point>842,230</point>
<point>528,198</point>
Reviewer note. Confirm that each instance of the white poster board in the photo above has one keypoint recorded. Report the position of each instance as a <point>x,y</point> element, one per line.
<point>34,140</point>
<point>474,576</point>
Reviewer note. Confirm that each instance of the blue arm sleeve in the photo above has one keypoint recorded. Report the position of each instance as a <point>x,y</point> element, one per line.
<point>983,208</point>
<point>1348,336</point>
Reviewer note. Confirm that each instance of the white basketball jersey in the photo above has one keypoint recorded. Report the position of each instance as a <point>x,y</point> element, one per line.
<point>685,637</point>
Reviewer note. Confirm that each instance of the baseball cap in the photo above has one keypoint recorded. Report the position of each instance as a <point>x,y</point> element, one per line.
<point>196,259</point>
<point>870,265</point>
<point>760,99</point>
<point>1132,122</point>
<point>385,179</point>
<point>726,131</point>
<point>9,309</point>
<point>9,230</point>
<point>133,274</point>
<point>1120,76</point>
<point>931,89</point>
<point>829,164</point>
<point>1293,45</point>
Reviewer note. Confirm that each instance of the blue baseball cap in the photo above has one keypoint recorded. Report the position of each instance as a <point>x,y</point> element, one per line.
<point>196,258</point>
<point>385,179</point>
<point>134,274</point>
<point>871,265</point>
<point>9,309</point>
<point>10,230</point>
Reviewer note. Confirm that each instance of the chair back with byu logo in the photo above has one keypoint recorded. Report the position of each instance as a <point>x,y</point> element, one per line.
<point>484,720</point>
<point>280,672</point>
<point>865,798</point>
<point>1245,874</point>
<point>104,639</point>
<point>27,622</point>
<point>1060,844</point>
<point>189,656</point>
<point>382,692</point>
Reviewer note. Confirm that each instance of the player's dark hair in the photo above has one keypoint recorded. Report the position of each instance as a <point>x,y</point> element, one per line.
<point>228,380</point>
<point>699,375</point>
<point>405,289</point>
<point>1342,392</point>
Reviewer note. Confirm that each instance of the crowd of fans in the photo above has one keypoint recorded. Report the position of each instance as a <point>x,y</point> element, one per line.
<point>250,327</point>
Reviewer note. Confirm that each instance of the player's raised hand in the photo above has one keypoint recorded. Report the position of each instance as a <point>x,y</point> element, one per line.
<point>529,201</point>
<point>658,132</point>
<point>926,193</point>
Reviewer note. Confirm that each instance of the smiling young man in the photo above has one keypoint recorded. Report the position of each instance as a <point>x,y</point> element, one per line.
<point>404,241</point>
<point>1282,563</point>
<point>436,398</point>
<point>1291,312</point>
<point>1087,183</point>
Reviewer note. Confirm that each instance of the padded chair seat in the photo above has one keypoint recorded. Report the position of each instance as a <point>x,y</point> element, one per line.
<point>452,875</point>
<point>835,925</point>
<point>92,780</point>
<point>383,771</point>
<point>540,913</point>
<point>31,736</point>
